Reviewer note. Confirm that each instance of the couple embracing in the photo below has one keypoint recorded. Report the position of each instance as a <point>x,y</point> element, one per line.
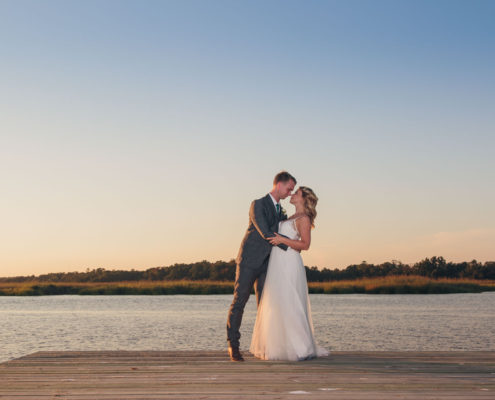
<point>269,259</point>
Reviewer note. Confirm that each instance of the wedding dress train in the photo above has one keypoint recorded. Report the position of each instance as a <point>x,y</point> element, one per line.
<point>284,329</point>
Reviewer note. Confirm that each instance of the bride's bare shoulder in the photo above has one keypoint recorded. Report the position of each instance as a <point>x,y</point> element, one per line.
<point>303,223</point>
<point>297,216</point>
<point>304,219</point>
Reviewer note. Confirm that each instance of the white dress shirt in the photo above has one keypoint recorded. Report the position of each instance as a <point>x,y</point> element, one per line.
<point>275,202</point>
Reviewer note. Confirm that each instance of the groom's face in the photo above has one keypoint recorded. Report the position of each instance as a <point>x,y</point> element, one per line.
<point>286,188</point>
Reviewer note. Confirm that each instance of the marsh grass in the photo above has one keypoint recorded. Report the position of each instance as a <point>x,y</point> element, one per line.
<point>397,284</point>
<point>384,285</point>
<point>115,288</point>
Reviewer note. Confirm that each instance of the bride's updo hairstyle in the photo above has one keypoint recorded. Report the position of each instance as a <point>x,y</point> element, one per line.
<point>310,201</point>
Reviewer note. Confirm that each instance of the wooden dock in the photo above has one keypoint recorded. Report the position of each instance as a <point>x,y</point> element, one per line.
<point>211,375</point>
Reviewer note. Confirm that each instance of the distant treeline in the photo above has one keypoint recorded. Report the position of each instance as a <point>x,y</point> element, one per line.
<point>434,267</point>
<point>396,284</point>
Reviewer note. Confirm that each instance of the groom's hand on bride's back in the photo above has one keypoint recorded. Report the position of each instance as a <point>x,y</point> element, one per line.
<point>275,240</point>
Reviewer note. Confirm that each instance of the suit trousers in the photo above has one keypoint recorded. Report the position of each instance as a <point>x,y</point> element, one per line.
<point>245,279</point>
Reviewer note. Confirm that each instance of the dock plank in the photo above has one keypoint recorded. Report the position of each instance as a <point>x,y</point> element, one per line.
<point>211,375</point>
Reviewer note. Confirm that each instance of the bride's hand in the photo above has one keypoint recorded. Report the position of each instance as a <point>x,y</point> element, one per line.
<point>276,240</point>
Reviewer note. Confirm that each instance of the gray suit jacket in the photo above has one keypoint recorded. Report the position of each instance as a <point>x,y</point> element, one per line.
<point>263,222</point>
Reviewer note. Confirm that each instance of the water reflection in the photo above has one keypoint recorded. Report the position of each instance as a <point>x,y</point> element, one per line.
<point>342,322</point>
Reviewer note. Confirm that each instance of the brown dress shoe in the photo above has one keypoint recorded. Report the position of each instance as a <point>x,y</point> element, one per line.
<point>235,354</point>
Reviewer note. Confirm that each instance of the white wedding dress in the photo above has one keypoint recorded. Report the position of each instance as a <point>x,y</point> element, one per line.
<point>284,329</point>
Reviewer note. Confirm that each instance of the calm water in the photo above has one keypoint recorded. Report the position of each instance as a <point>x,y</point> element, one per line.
<point>342,322</point>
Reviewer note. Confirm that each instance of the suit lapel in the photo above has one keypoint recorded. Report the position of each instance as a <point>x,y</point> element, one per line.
<point>269,204</point>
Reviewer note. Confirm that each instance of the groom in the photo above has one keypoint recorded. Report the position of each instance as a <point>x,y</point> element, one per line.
<point>252,260</point>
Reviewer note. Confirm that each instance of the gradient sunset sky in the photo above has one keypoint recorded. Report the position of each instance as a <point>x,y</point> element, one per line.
<point>135,134</point>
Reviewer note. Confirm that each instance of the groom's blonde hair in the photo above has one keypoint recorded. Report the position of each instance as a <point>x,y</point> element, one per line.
<point>283,176</point>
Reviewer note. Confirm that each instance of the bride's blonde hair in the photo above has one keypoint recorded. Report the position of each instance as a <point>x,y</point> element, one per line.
<point>310,201</point>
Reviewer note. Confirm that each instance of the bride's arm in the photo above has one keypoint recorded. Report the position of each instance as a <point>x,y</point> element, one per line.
<point>304,228</point>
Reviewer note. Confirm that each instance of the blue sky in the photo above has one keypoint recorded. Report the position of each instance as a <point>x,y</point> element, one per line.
<point>135,134</point>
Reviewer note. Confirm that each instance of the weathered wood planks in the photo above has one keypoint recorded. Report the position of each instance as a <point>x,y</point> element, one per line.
<point>211,375</point>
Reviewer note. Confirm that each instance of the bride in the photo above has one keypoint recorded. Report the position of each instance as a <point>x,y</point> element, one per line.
<point>284,329</point>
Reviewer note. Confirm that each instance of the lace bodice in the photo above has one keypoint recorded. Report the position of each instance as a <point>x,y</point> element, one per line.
<point>289,229</point>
